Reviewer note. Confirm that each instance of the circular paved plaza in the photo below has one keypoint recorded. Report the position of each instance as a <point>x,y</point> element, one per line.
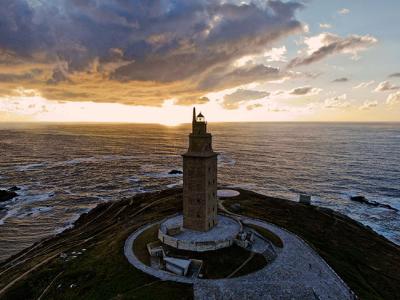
<point>298,272</point>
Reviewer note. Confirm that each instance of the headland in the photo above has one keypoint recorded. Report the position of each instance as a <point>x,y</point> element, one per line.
<point>88,260</point>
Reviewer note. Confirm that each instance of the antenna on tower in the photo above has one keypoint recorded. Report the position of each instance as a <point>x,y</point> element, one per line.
<point>194,115</point>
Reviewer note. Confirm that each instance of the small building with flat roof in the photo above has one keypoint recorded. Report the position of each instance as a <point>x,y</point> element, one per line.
<point>176,265</point>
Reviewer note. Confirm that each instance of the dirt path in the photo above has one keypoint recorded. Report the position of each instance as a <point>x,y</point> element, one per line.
<point>242,265</point>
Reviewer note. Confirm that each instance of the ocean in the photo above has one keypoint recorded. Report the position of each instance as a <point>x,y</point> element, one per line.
<point>64,170</point>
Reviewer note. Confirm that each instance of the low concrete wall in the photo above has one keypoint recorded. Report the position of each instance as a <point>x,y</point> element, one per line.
<point>193,246</point>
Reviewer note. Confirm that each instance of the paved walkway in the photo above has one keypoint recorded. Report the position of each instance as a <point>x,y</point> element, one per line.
<point>298,272</point>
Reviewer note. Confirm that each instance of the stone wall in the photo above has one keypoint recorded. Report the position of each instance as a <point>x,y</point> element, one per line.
<point>199,192</point>
<point>193,246</point>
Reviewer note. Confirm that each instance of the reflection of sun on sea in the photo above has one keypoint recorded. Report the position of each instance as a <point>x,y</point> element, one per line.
<point>170,123</point>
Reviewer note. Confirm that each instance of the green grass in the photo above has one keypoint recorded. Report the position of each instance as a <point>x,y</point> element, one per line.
<point>367,262</point>
<point>269,235</point>
<point>102,272</point>
<point>216,264</point>
<point>222,262</point>
<point>140,244</point>
<point>252,266</point>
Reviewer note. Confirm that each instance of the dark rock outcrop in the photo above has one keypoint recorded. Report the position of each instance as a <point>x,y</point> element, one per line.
<point>14,188</point>
<point>236,207</point>
<point>175,172</point>
<point>7,195</point>
<point>362,199</point>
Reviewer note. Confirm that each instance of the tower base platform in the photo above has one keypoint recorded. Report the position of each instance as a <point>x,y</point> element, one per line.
<point>222,235</point>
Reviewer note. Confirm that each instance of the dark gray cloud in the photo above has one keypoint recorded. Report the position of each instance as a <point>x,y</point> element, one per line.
<point>333,44</point>
<point>240,96</point>
<point>394,75</point>
<point>341,79</point>
<point>191,101</point>
<point>226,76</point>
<point>58,76</point>
<point>193,43</point>
<point>304,90</point>
<point>254,106</point>
<point>17,77</point>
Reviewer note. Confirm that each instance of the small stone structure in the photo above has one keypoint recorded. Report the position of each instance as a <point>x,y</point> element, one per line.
<point>305,199</point>
<point>220,236</point>
<point>225,193</point>
<point>177,265</point>
<point>155,249</point>
<point>245,239</point>
<point>172,231</point>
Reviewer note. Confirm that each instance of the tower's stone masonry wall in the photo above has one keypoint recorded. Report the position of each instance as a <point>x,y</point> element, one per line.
<point>199,192</point>
<point>200,143</point>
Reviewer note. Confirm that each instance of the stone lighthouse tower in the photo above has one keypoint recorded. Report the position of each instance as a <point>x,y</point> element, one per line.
<point>199,178</point>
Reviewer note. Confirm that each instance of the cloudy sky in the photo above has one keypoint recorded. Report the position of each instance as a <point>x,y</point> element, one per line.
<point>152,60</point>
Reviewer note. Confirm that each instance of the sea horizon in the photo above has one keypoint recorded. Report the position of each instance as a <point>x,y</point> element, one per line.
<point>188,123</point>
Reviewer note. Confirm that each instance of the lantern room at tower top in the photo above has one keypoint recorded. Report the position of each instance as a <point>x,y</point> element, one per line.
<point>200,141</point>
<point>199,124</point>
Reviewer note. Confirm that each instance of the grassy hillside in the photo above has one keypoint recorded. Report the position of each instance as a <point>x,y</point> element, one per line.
<point>102,271</point>
<point>87,262</point>
<point>367,262</point>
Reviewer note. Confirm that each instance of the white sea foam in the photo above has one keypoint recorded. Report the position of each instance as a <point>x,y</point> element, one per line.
<point>225,160</point>
<point>172,185</point>
<point>27,199</point>
<point>30,167</point>
<point>69,224</point>
<point>162,175</point>
<point>10,213</point>
<point>35,211</point>
<point>24,198</point>
<point>133,179</point>
<point>74,161</point>
<point>92,159</point>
